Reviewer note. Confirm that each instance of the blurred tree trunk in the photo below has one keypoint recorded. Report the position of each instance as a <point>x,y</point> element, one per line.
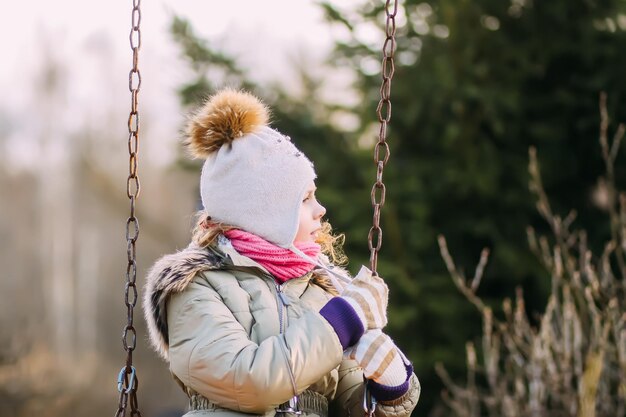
<point>88,265</point>
<point>56,184</point>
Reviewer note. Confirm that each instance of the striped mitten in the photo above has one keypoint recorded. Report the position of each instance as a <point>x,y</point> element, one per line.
<point>381,360</point>
<point>361,306</point>
<point>368,295</point>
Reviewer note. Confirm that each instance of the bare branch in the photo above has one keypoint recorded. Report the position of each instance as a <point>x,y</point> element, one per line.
<point>480,268</point>
<point>617,140</point>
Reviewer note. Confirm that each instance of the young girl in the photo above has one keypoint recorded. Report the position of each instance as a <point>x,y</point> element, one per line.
<point>253,317</point>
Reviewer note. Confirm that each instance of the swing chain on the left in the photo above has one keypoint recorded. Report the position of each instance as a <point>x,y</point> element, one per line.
<point>127,380</point>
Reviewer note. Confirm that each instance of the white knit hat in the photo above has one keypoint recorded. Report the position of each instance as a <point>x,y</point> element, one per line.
<point>254,178</point>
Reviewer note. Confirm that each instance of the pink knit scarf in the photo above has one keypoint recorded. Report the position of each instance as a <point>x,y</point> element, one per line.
<point>280,262</point>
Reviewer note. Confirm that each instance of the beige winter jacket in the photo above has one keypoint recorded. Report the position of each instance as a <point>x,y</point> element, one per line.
<point>237,343</point>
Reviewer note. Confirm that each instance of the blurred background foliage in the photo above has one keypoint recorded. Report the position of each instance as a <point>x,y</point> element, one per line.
<point>476,84</point>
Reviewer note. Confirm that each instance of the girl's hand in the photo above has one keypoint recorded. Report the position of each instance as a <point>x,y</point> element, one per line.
<point>380,359</point>
<point>361,306</point>
<point>368,295</point>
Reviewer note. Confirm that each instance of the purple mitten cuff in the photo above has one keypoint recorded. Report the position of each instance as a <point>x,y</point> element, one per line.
<point>347,324</point>
<point>385,393</point>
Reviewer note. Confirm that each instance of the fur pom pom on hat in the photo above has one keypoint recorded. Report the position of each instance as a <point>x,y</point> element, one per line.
<point>225,117</point>
<point>254,177</point>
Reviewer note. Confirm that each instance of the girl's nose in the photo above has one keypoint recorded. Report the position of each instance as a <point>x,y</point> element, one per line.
<point>320,211</point>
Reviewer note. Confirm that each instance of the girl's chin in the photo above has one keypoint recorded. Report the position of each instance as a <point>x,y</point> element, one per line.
<point>312,238</point>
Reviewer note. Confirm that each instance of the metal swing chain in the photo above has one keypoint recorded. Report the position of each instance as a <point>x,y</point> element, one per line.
<point>127,381</point>
<point>381,157</point>
<point>381,150</point>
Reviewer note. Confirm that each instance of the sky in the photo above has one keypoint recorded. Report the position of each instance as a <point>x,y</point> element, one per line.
<point>89,41</point>
<point>278,25</point>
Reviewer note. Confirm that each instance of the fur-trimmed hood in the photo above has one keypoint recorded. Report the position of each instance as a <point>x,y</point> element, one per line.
<point>172,273</point>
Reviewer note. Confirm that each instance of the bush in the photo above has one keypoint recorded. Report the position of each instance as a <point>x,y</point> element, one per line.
<point>573,361</point>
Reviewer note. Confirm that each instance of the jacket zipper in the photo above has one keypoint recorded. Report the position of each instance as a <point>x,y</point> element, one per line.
<point>283,301</point>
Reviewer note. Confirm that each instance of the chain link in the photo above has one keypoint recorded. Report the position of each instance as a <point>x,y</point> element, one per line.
<point>127,380</point>
<point>381,150</point>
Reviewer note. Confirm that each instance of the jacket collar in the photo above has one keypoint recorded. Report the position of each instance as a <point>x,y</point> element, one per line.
<point>237,259</point>
<point>294,287</point>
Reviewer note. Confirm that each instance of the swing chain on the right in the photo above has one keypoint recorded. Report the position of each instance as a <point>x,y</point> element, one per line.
<point>381,149</point>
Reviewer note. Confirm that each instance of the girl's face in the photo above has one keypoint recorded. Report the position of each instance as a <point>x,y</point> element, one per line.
<point>311,213</point>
